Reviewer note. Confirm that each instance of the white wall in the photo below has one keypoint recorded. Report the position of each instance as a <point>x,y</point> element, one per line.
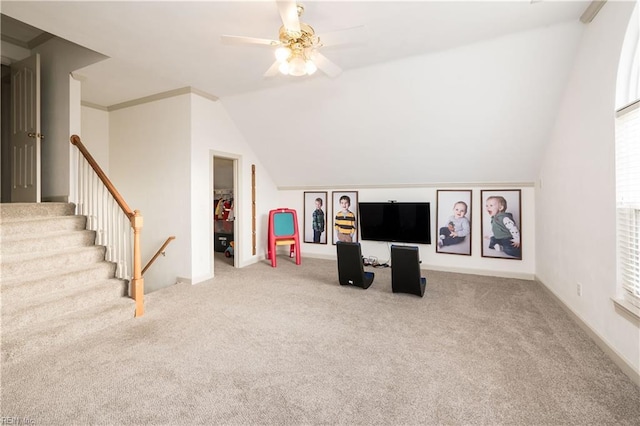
<point>575,213</point>
<point>223,177</point>
<point>95,135</point>
<point>475,263</point>
<point>149,163</point>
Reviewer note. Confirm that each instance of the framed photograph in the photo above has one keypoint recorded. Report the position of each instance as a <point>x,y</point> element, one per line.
<point>501,224</point>
<point>453,222</point>
<point>315,217</point>
<point>345,216</point>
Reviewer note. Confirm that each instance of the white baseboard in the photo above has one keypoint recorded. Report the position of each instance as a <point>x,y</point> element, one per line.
<point>617,359</point>
<point>320,256</point>
<point>194,281</point>
<point>483,272</point>
<point>253,260</point>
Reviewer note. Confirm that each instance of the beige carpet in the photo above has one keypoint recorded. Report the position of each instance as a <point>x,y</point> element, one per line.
<point>288,345</point>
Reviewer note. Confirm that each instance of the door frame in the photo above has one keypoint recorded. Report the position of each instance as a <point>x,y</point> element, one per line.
<point>5,141</point>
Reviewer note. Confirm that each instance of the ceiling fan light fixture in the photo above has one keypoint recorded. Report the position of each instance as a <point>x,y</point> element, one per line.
<point>296,50</point>
<point>284,68</point>
<point>297,66</point>
<point>311,53</point>
<point>283,53</point>
<point>310,67</point>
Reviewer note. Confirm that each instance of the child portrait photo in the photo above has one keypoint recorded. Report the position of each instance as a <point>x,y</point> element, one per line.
<point>345,220</point>
<point>315,217</point>
<point>501,224</point>
<point>453,219</point>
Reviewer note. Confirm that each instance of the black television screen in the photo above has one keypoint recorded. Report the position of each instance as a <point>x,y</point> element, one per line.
<point>400,222</point>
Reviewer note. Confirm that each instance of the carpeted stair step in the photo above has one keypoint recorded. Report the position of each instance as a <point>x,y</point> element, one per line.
<point>43,243</point>
<point>24,264</point>
<point>48,305</point>
<point>64,330</point>
<point>41,225</point>
<point>10,211</point>
<point>27,286</point>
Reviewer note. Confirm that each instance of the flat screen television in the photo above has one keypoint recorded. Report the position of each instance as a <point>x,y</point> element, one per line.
<point>395,222</point>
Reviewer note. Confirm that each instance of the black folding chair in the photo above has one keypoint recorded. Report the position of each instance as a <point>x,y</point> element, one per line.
<point>350,268</point>
<point>405,271</point>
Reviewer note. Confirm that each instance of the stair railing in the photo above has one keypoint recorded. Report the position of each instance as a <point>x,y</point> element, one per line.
<point>118,229</point>
<point>158,253</point>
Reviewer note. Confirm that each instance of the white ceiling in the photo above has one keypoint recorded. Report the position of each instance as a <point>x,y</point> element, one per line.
<point>156,46</point>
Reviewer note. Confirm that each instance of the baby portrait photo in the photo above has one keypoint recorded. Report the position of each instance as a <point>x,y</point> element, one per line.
<point>345,223</point>
<point>453,219</point>
<point>315,217</point>
<point>501,224</point>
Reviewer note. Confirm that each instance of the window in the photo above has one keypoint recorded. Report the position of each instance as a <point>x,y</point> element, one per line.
<point>628,200</point>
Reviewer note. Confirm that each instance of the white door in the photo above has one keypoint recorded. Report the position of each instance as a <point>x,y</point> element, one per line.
<point>25,131</point>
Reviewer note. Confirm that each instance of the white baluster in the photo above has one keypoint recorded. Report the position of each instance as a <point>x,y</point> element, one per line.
<point>90,202</point>
<point>83,184</point>
<point>120,238</point>
<point>80,176</point>
<point>94,206</point>
<point>103,214</point>
<point>128,250</point>
<point>110,230</point>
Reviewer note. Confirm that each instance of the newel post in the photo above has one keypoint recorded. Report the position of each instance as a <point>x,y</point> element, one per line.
<point>137,282</point>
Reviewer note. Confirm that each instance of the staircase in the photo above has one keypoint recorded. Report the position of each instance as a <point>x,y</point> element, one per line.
<point>55,286</point>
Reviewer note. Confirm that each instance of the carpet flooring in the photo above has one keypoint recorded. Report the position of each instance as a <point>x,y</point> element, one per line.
<point>290,346</point>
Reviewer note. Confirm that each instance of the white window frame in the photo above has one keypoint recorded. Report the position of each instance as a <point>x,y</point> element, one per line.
<point>627,148</point>
<point>628,206</point>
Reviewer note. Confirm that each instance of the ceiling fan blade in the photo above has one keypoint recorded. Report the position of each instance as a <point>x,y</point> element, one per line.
<point>273,69</point>
<point>325,65</point>
<point>289,14</point>
<point>345,36</point>
<point>228,39</point>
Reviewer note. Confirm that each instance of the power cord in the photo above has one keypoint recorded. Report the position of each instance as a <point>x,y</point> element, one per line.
<point>373,261</point>
<point>369,261</point>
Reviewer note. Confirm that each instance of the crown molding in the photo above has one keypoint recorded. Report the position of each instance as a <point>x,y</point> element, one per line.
<point>163,95</point>
<point>94,106</point>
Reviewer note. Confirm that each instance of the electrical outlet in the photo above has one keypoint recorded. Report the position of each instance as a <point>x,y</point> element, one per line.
<point>579,289</point>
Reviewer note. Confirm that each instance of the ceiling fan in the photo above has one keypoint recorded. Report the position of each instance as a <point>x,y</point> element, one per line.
<point>297,47</point>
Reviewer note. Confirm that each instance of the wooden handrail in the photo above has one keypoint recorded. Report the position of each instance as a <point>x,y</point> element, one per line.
<point>158,253</point>
<point>75,140</point>
<point>135,218</point>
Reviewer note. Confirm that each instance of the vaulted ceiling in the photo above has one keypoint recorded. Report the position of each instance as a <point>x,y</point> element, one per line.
<point>159,45</point>
<point>434,91</point>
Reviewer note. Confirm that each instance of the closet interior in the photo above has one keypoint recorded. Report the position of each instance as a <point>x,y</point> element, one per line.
<point>223,219</point>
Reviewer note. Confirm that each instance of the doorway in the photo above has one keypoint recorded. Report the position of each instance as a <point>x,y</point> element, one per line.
<point>225,227</point>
